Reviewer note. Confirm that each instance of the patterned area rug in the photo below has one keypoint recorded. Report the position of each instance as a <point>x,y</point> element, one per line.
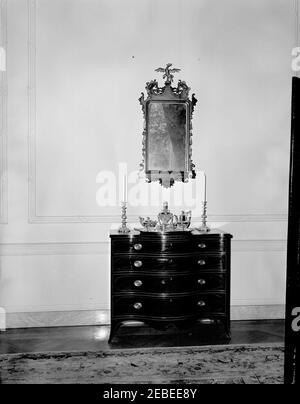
<point>227,364</point>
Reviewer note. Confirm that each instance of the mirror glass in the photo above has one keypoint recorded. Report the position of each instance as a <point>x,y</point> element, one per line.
<point>167,136</point>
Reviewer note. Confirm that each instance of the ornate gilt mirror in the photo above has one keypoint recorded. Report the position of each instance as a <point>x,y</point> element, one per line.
<point>167,135</point>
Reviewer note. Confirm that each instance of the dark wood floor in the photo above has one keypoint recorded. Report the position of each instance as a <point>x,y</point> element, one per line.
<point>91,338</point>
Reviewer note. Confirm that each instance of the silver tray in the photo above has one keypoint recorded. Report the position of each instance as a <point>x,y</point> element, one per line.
<point>153,231</point>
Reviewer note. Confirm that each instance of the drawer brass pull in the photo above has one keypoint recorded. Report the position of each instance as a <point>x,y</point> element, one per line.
<point>137,306</point>
<point>201,303</point>
<point>138,247</point>
<point>201,262</point>
<point>202,282</point>
<point>137,264</point>
<point>202,245</point>
<point>138,283</point>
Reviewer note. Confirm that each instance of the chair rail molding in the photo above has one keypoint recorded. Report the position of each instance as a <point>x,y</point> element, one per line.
<point>102,247</point>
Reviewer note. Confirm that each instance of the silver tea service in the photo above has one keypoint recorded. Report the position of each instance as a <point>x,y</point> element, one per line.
<point>167,221</point>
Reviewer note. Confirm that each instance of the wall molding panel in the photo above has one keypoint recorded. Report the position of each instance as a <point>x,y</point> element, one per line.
<point>33,216</point>
<point>3,119</point>
<point>31,108</point>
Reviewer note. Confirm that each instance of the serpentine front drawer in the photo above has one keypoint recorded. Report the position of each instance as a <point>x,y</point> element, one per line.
<point>168,283</point>
<point>170,306</point>
<point>140,245</point>
<point>175,263</point>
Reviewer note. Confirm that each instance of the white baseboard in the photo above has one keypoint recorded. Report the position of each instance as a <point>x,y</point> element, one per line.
<point>263,312</point>
<point>102,317</point>
<point>57,318</point>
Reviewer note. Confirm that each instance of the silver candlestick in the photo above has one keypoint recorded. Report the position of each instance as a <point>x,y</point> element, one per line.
<point>204,227</point>
<point>123,228</point>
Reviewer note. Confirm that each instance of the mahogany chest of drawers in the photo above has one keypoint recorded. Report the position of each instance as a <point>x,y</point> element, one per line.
<point>160,279</point>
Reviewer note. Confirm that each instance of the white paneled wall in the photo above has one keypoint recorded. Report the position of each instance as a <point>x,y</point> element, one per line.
<point>69,109</point>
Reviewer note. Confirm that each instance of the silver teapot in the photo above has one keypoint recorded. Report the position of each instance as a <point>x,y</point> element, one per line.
<point>166,218</point>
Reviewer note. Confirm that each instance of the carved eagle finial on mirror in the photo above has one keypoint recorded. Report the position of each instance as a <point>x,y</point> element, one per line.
<point>168,72</point>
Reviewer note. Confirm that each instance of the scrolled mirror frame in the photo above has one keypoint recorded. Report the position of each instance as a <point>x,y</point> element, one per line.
<point>168,93</point>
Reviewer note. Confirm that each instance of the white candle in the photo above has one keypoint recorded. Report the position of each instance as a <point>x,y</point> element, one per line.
<point>124,187</point>
<point>204,197</point>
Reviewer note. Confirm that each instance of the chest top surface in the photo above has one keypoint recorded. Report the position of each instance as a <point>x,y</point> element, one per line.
<point>179,236</point>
